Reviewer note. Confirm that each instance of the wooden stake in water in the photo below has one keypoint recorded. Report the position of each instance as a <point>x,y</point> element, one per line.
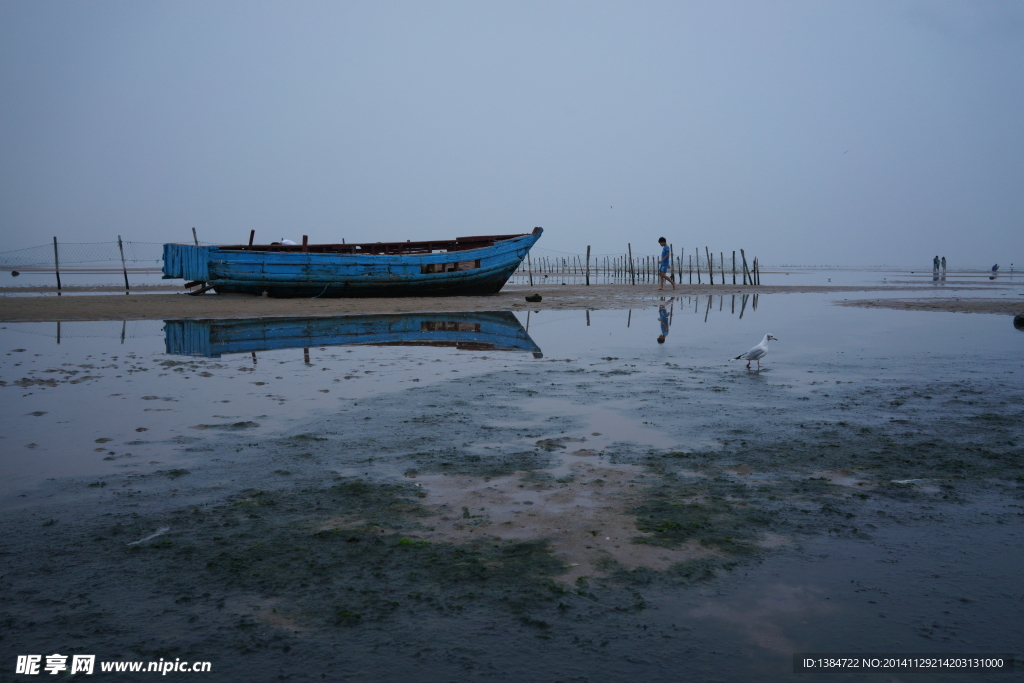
<point>588,276</point>
<point>56,269</point>
<point>721,261</point>
<point>632,272</point>
<point>124,323</point>
<point>697,259</point>
<point>711,266</point>
<point>194,237</point>
<point>734,268</point>
<point>124,269</point>
<point>746,271</point>
<point>252,236</point>
<point>529,270</point>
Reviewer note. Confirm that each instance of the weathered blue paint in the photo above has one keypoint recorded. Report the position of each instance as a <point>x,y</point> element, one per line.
<point>488,330</point>
<point>285,274</point>
<point>187,262</point>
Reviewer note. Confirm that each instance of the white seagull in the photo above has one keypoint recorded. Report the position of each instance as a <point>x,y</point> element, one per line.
<point>756,353</point>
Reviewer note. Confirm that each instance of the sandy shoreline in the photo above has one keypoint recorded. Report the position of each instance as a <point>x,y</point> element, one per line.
<point>997,306</point>
<point>164,306</point>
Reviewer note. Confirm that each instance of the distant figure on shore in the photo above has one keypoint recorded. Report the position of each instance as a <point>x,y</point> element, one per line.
<point>935,263</point>
<point>995,267</point>
<point>663,264</point>
<point>664,320</point>
<point>943,262</point>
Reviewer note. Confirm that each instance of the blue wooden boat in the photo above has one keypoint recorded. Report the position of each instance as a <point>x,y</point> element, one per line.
<point>463,266</point>
<point>477,331</point>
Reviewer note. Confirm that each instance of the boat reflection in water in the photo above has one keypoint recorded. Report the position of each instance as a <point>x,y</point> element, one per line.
<point>480,331</point>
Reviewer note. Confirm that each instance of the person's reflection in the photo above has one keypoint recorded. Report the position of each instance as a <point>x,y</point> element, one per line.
<point>664,319</point>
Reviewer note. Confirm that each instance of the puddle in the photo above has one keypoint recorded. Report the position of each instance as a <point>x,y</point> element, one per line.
<point>583,441</point>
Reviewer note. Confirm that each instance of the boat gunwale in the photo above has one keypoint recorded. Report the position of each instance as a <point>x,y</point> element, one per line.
<point>407,248</point>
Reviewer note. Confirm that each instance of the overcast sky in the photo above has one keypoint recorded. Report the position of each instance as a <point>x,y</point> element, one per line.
<point>805,132</point>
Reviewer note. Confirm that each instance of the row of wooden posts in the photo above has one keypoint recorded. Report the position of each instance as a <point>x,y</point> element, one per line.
<point>124,266</point>
<point>646,267</point>
<point>615,266</point>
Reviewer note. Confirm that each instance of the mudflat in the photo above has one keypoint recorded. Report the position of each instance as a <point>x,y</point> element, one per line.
<point>618,509</point>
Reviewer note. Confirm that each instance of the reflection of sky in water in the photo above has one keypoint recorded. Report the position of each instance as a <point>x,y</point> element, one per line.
<point>139,397</point>
<point>811,332</point>
<point>906,589</point>
<point>136,385</point>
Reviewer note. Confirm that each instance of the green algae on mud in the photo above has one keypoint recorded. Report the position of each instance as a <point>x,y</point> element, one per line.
<point>253,572</point>
<point>355,538</point>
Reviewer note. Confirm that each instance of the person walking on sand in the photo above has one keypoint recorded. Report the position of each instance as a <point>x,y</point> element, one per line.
<point>663,262</point>
<point>943,262</point>
<point>935,264</point>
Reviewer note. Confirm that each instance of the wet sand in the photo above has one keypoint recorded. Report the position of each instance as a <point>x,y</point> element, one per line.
<point>165,306</point>
<point>998,306</point>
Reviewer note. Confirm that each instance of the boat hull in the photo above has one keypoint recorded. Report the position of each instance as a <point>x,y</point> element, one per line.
<point>471,272</point>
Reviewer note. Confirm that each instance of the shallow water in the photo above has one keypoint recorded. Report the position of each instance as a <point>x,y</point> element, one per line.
<point>89,383</point>
<point>861,492</point>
